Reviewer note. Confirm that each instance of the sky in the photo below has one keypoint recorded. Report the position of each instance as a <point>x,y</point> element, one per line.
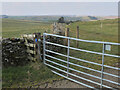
<point>59,0</point>
<point>60,8</point>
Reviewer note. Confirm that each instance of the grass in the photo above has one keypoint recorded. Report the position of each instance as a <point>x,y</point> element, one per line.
<point>26,76</point>
<point>0,78</point>
<point>14,28</point>
<point>88,30</point>
<point>93,31</point>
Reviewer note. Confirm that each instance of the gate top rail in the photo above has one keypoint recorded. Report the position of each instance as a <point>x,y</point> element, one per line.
<point>90,41</point>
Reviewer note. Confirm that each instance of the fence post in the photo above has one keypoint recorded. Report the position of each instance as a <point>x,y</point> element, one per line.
<point>68,52</point>
<point>77,36</point>
<point>67,35</point>
<point>35,49</point>
<point>44,48</point>
<point>39,47</point>
<point>102,69</point>
<point>34,46</point>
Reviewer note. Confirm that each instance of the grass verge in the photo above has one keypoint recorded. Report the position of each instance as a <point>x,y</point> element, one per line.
<point>30,75</point>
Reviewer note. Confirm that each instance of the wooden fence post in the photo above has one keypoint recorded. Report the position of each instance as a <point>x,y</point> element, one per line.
<point>45,31</point>
<point>39,46</point>
<point>33,38</point>
<point>67,35</point>
<point>35,48</point>
<point>77,36</point>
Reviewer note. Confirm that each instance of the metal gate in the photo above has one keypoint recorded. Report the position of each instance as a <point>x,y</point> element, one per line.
<point>59,68</point>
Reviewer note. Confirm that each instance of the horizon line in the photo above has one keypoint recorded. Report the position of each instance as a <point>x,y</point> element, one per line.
<point>58,15</point>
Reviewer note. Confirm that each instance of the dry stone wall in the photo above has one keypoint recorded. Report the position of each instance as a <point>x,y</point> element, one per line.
<point>59,28</point>
<point>13,52</point>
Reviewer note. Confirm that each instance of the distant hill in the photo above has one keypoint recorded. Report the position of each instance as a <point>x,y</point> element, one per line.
<point>4,16</point>
<point>52,18</point>
<point>110,17</point>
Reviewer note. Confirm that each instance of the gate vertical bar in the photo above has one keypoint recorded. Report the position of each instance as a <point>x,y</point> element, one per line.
<point>68,52</point>
<point>102,69</point>
<point>44,48</point>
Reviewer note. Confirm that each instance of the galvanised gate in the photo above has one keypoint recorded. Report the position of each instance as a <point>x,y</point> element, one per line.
<point>67,72</point>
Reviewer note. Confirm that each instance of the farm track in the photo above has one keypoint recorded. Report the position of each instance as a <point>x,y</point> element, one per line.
<point>60,84</point>
<point>64,83</point>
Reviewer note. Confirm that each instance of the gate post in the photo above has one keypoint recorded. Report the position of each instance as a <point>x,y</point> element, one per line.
<point>35,48</point>
<point>68,52</point>
<point>44,48</point>
<point>39,46</point>
<point>102,69</point>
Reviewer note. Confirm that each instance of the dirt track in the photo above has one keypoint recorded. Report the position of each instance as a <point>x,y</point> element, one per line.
<point>60,84</point>
<point>69,84</point>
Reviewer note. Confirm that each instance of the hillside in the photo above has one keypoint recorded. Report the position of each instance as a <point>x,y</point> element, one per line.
<point>52,18</point>
<point>88,30</point>
<point>92,30</point>
<point>14,28</point>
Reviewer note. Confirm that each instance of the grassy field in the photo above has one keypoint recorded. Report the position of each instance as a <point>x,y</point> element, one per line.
<point>14,28</point>
<point>88,30</point>
<point>92,30</point>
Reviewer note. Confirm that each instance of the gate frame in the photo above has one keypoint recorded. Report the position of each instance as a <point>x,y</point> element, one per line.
<point>67,72</point>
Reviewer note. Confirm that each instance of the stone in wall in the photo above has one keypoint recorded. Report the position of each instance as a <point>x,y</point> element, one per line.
<point>13,52</point>
<point>59,28</point>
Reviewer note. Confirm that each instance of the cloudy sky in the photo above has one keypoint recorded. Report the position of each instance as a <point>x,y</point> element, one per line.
<point>60,8</point>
